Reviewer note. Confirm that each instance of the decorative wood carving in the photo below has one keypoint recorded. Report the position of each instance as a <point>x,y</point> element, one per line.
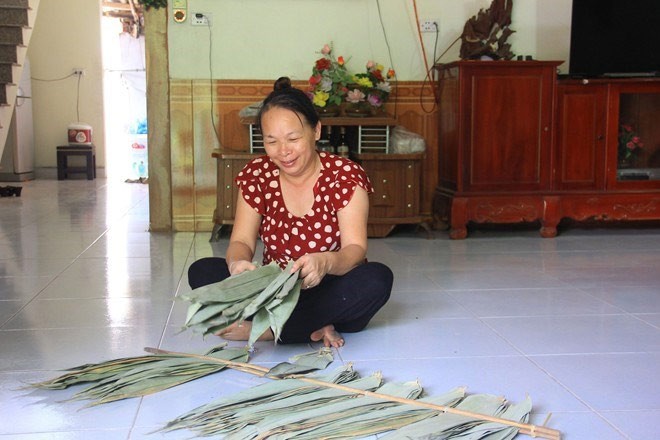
<point>508,212</point>
<point>486,33</point>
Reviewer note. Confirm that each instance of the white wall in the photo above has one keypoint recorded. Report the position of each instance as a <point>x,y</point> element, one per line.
<point>262,39</point>
<point>265,39</point>
<point>66,35</point>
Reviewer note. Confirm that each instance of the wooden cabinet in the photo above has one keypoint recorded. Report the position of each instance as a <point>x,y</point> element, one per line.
<point>229,164</point>
<point>594,184</point>
<point>396,179</point>
<point>580,141</point>
<point>516,145</point>
<point>495,140</point>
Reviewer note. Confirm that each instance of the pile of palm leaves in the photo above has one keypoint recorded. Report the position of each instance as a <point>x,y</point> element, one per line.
<point>267,295</point>
<point>138,376</point>
<point>299,405</point>
<point>343,405</point>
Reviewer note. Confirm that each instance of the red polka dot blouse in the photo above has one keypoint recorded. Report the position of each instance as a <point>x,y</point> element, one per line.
<point>286,236</point>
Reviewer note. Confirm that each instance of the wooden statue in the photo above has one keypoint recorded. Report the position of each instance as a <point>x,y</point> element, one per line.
<point>486,33</point>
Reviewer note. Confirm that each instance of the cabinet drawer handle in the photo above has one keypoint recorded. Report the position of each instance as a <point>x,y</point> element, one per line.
<point>384,196</point>
<point>384,180</point>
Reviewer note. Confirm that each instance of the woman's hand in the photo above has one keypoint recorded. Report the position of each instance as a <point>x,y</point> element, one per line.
<point>239,266</point>
<point>313,267</point>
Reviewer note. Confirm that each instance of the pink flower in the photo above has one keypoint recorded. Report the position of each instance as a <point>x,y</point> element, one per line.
<point>370,64</point>
<point>355,96</point>
<point>630,146</point>
<point>326,49</point>
<point>375,100</point>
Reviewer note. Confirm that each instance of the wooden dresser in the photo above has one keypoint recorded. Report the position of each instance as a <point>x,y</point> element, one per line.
<point>517,145</point>
<point>396,178</point>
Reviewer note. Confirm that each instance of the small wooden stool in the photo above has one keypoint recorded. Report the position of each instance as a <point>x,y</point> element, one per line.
<point>63,153</point>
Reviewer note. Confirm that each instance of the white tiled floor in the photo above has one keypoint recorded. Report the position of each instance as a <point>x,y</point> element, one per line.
<point>573,321</point>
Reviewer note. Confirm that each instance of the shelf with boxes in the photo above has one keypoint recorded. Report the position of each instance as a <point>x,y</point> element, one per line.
<point>396,178</point>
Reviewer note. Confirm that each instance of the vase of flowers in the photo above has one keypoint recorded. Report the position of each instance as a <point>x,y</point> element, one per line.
<point>371,87</point>
<point>630,145</point>
<point>356,102</point>
<point>327,85</point>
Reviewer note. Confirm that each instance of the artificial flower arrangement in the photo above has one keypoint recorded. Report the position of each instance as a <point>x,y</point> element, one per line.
<point>331,84</point>
<point>372,88</point>
<point>630,143</point>
<point>329,79</point>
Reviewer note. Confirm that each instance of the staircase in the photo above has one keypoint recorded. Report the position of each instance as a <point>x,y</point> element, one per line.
<point>16,21</point>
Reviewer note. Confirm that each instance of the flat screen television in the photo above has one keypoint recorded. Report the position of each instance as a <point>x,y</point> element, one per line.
<point>615,38</point>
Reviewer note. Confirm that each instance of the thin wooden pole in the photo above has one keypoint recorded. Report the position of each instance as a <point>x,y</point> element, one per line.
<point>525,428</point>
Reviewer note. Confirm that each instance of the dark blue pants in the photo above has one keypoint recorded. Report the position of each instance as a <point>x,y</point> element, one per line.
<point>348,302</point>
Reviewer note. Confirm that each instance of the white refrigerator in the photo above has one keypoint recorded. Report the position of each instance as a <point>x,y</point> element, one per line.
<point>17,162</point>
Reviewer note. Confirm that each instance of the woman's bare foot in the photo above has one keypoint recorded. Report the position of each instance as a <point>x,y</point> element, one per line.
<point>241,332</point>
<point>330,336</point>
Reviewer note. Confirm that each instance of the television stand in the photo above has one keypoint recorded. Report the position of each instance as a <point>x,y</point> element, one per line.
<point>517,146</point>
<point>631,75</point>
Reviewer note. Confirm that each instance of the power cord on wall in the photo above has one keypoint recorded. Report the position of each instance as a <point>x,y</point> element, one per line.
<point>426,64</point>
<point>213,123</point>
<point>77,72</point>
<point>427,75</point>
<point>389,54</point>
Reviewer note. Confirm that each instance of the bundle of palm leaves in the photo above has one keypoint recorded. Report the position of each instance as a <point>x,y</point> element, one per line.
<point>326,407</point>
<point>138,376</point>
<point>124,378</point>
<point>303,406</point>
<point>267,295</point>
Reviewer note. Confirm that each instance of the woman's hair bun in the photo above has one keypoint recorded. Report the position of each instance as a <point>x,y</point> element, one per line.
<point>282,83</point>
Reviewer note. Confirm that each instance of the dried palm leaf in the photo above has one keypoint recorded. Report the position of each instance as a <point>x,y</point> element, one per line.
<point>305,418</point>
<point>446,425</point>
<point>268,391</point>
<point>138,376</point>
<point>363,423</point>
<point>459,420</point>
<point>303,363</point>
<point>241,424</point>
<point>235,287</point>
<point>267,295</point>
<point>455,416</point>
<point>322,406</point>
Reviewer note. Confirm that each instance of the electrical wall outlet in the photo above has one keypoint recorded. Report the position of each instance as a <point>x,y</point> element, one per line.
<point>428,25</point>
<point>200,19</point>
<point>79,71</point>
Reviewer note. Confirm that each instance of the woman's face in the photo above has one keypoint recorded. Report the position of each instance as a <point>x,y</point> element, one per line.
<point>289,142</point>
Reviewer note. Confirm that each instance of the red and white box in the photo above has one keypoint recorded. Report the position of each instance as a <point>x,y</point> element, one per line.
<point>79,134</point>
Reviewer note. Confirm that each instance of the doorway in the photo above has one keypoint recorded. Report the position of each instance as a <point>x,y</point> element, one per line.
<point>125,104</point>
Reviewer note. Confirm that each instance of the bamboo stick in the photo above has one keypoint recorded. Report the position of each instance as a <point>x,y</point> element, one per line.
<point>524,428</point>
